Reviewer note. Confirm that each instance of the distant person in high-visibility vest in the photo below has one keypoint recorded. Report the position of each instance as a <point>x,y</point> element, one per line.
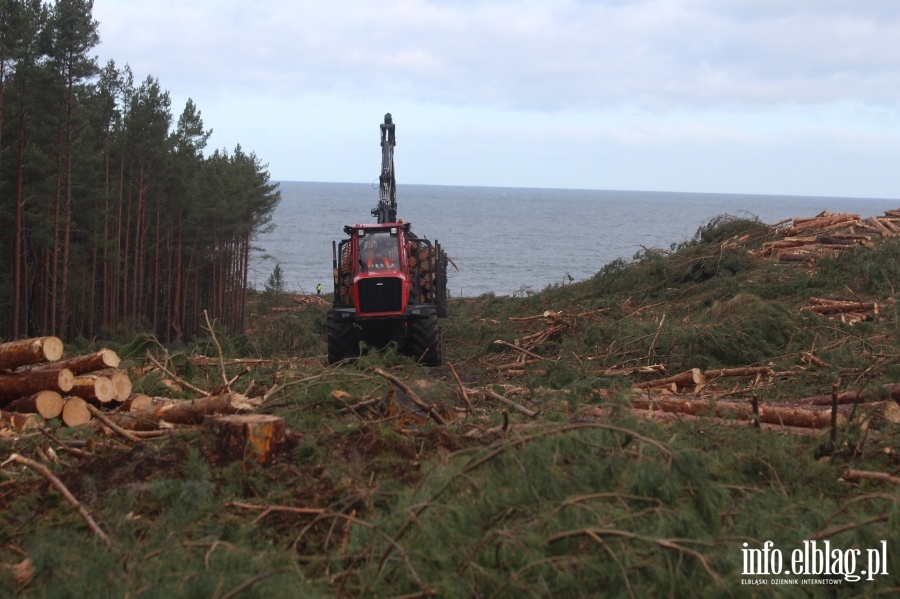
<point>319,289</point>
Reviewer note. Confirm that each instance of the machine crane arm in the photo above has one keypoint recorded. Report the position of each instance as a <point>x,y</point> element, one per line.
<point>386,212</point>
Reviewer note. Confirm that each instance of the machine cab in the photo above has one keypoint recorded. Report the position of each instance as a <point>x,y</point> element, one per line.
<point>371,271</point>
<point>378,250</point>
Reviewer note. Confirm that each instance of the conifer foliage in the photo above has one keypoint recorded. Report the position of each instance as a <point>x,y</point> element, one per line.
<point>110,212</point>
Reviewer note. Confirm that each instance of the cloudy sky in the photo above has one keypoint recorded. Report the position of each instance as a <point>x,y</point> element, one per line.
<point>795,97</point>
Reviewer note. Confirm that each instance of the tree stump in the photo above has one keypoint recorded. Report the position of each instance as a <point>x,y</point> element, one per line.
<point>246,437</point>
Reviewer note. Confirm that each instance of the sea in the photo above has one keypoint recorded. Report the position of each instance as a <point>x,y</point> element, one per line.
<point>511,241</point>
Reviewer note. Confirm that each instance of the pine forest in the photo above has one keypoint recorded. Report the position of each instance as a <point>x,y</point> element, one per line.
<point>111,214</point>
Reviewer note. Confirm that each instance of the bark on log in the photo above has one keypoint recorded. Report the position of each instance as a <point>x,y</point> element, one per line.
<point>48,404</point>
<point>246,437</point>
<point>136,402</point>
<point>21,422</point>
<point>821,222</point>
<point>850,397</point>
<point>184,411</point>
<point>30,351</point>
<point>75,412</point>
<point>743,371</point>
<point>788,416</point>
<point>104,358</point>
<point>691,378</point>
<point>660,416</point>
<point>818,417</point>
<point>854,475</point>
<point>92,386</point>
<point>650,369</point>
<point>825,306</point>
<point>20,384</point>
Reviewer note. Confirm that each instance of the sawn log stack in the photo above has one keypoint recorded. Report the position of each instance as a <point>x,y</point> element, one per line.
<point>36,384</point>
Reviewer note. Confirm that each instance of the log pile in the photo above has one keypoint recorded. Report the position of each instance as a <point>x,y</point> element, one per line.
<point>37,385</point>
<point>806,240</point>
<point>817,412</point>
<point>845,310</point>
<point>306,300</point>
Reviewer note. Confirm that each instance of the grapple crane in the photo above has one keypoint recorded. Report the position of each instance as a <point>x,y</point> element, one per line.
<point>386,211</point>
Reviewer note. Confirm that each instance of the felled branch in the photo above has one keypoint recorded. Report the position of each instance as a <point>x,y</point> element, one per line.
<point>59,486</point>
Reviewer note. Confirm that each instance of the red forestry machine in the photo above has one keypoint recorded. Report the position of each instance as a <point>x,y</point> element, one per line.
<point>389,284</point>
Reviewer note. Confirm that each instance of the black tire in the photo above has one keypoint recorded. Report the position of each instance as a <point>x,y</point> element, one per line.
<point>426,340</point>
<point>342,342</point>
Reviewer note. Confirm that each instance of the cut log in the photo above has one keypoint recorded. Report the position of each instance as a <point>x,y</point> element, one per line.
<point>851,397</point>
<point>818,417</point>
<point>742,371</point>
<point>104,358</point>
<point>822,222</point>
<point>75,412</point>
<point>20,384</point>
<point>92,386</point>
<point>626,371</point>
<point>21,422</point>
<point>48,404</point>
<point>690,378</point>
<point>184,411</point>
<point>136,402</point>
<point>788,416</point>
<point>122,384</point>
<point>30,351</point>
<point>246,437</point>
<point>824,306</point>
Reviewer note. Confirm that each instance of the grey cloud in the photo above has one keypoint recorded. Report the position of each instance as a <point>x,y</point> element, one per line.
<point>654,54</point>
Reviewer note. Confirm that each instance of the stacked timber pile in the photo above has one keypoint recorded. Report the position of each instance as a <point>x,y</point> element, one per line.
<point>36,385</point>
<point>306,300</point>
<point>845,310</point>
<point>805,240</point>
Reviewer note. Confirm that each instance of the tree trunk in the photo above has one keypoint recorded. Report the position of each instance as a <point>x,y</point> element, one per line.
<point>91,386</point>
<point>187,412</point>
<point>806,417</point>
<point>743,371</point>
<point>48,404</point>
<point>691,378</point>
<point>850,397</point>
<point>136,402</point>
<point>75,412</point>
<point>20,384</point>
<point>104,358</point>
<point>30,351</point>
<point>122,384</point>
